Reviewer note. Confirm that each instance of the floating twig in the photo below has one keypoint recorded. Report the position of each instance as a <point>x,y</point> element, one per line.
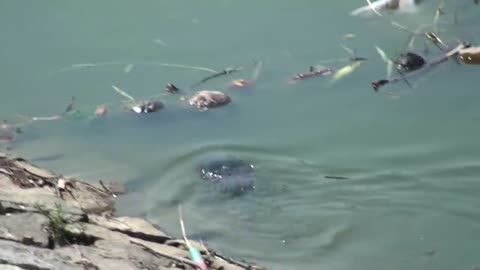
<point>336,177</point>
<point>107,189</point>
<point>226,71</point>
<point>455,51</point>
<point>123,93</point>
<point>126,64</point>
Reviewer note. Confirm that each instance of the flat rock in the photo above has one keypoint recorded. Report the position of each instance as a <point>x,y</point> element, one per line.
<point>97,232</point>
<point>161,250</point>
<point>10,267</point>
<point>34,169</point>
<point>105,255</point>
<point>209,99</point>
<point>181,243</point>
<point>221,264</point>
<point>27,228</point>
<point>31,197</point>
<point>28,257</point>
<point>116,187</point>
<point>90,199</point>
<point>85,199</point>
<point>135,227</point>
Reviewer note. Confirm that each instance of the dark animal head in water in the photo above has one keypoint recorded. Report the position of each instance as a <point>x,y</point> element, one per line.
<point>232,176</point>
<point>410,62</point>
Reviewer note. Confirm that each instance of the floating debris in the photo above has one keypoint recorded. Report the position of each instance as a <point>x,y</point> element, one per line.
<point>348,36</point>
<point>470,56</point>
<point>226,71</point>
<point>148,107</point>
<point>385,5</point>
<point>313,72</point>
<point>101,110</point>
<point>452,53</point>
<point>160,42</point>
<point>140,106</point>
<point>209,99</point>
<point>128,68</point>
<point>123,93</point>
<point>80,66</point>
<point>243,83</point>
<point>347,70</point>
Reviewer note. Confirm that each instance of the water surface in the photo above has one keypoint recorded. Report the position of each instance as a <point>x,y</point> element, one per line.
<point>411,201</point>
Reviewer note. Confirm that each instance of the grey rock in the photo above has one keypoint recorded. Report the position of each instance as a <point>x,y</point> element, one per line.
<point>22,199</point>
<point>10,267</point>
<point>97,232</point>
<point>167,252</point>
<point>34,169</point>
<point>91,199</point>
<point>134,227</point>
<point>209,99</point>
<point>27,228</point>
<point>181,243</point>
<point>86,198</point>
<point>106,255</point>
<point>28,257</point>
<point>13,208</point>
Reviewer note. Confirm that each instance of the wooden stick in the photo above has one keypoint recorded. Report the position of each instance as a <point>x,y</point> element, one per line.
<point>182,226</point>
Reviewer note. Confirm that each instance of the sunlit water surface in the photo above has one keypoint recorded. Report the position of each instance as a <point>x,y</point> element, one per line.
<point>413,162</point>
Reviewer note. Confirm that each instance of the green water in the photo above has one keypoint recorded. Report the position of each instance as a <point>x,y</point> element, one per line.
<point>414,162</point>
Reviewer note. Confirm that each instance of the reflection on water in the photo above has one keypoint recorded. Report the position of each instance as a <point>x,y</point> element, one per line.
<point>404,191</point>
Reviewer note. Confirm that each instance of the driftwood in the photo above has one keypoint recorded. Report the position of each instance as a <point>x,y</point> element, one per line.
<point>24,178</point>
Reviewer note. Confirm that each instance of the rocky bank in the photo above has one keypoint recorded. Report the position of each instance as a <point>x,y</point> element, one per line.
<point>49,222</point>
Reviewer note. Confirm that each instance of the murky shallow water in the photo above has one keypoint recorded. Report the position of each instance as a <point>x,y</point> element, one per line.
<point>413,163</point>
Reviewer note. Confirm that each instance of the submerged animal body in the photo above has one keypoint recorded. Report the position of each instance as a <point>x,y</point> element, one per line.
<point>232,176</point>
<point>382,5</point>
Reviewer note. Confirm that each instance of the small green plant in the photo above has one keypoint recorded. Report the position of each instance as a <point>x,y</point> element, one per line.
<point>57,224</point>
